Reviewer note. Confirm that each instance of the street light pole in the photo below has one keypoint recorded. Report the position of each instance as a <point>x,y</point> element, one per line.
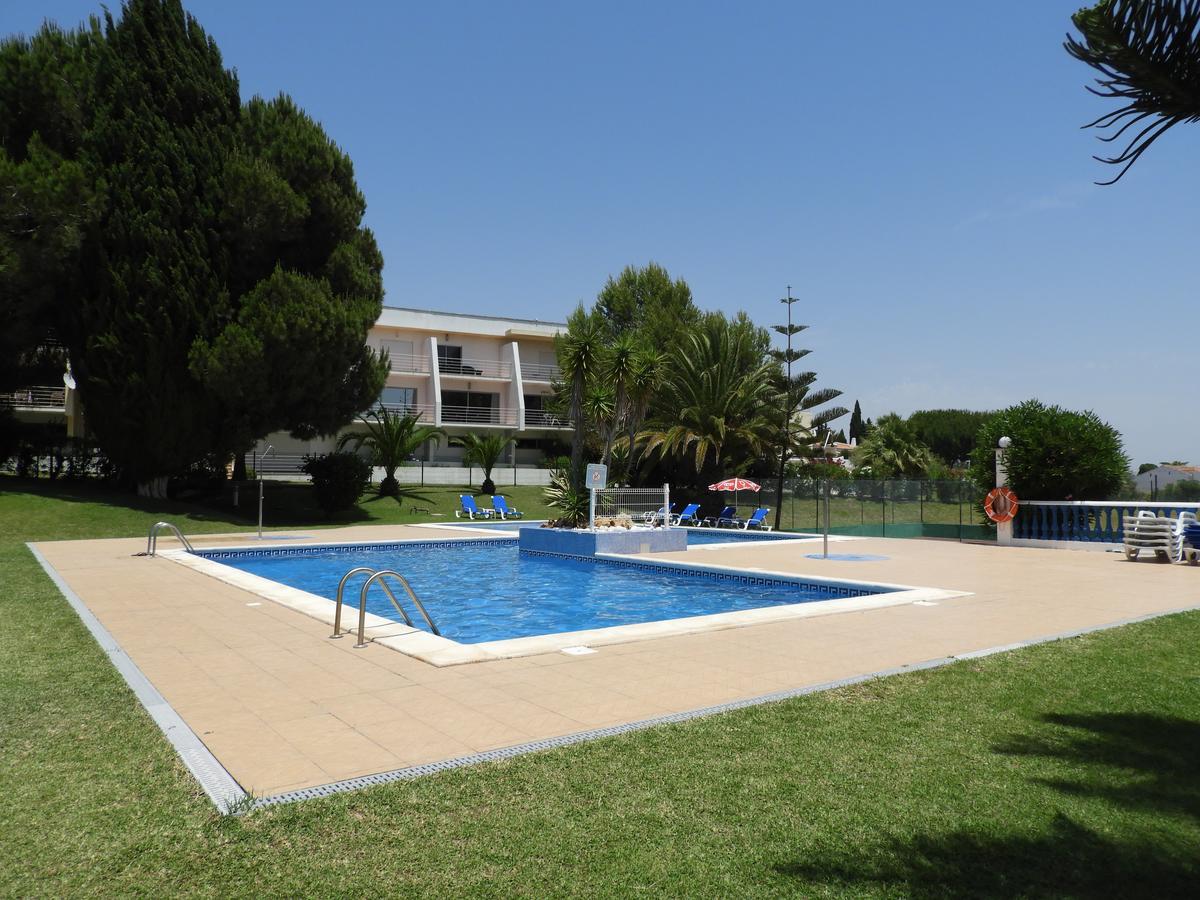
<point>270,449</point>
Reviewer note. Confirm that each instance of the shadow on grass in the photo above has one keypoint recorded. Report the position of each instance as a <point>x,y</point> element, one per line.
<point>284,505</point>
<point>1160,756</point>
<point>1141,762</point>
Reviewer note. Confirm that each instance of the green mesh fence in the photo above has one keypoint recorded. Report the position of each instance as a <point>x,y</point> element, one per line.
<point>943,509</point>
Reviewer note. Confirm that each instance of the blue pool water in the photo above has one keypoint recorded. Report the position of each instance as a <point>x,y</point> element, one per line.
<point>486,590</point>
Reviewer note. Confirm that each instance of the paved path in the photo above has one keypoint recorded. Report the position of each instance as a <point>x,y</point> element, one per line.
<point>283,707</point>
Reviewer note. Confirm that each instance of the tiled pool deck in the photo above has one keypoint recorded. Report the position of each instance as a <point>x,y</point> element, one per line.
<point>283,708</point>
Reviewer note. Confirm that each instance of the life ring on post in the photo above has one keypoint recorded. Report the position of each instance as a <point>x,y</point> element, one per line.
<point>1000,504</point>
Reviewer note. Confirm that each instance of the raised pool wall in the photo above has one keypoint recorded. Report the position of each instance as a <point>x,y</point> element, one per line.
<point>590,543</point>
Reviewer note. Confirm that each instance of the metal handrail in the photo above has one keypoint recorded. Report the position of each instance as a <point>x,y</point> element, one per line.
<point>479,415</point>
<point>152,538</point>
<point>475,367</point>
<point>362,602</point>
<point>540,372</point>
<point>36,397</point>
<point>337,612</point>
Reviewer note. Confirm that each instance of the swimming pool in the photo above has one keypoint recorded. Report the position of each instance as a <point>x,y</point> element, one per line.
<point>486,590</point>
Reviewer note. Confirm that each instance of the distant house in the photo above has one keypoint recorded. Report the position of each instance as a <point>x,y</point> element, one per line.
<point>1162,476</point>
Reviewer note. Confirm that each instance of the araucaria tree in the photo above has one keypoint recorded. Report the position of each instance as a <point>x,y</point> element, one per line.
<point>210,276</point>
<point>1147,54</point>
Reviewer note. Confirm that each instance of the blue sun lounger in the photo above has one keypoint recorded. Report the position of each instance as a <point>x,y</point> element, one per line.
<point>727,517</point>
<point>501,508</point>
<point>470,510</point>
<point>662,516</point>
<point>689,515</point>
<point>757,520</point>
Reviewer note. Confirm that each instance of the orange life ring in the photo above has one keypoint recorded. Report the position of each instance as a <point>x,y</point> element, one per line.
<point>1000,504</point>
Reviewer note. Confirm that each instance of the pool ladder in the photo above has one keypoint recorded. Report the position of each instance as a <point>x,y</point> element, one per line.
<point>373,577</point>
<point>152,538</point>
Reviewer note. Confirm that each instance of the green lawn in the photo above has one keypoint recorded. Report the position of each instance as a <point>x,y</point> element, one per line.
<point>1071,768</point>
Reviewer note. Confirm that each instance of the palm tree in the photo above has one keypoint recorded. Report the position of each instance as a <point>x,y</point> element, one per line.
<point>1148,56</point>
<point>391,438</point>
<point>893,450</point>
<point>580,351</point>
<point>719,406</point>
<point>483,451</point>
<point>619,365</point>
<point>645,379</point>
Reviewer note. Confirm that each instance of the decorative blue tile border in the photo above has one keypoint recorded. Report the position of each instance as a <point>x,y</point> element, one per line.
<point>832,590</point>
<point>448,544</point>
<point>829,590</point>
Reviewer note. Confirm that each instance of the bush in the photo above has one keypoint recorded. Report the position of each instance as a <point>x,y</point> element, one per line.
<point>339,479</point>
<point>572,501</point>
<point>1056,454</point>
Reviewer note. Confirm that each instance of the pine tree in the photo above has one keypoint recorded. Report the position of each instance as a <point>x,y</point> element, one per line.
<point>204,262</point>
<point>856,424</point>
<point>165,112</point>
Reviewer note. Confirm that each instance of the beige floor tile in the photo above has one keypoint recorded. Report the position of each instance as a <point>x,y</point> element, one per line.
<point>283,707</point>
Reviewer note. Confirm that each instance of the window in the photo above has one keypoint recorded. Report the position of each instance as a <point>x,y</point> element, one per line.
<point>403,399</point>
<point>450,359</point>
<point>402,357</point>
<point>470,406</point>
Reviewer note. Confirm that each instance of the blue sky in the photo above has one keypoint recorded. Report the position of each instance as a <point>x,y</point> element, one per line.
<point>915,171</point>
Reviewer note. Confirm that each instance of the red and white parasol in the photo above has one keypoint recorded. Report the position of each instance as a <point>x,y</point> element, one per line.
<point>735,484</point>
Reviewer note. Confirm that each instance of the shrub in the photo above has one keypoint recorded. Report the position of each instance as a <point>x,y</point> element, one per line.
<point>1056,454</point>
<point>571,500</point>
<point>339,479</point>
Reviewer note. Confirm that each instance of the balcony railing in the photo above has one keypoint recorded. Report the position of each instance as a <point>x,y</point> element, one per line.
<point>423,410</point>
<point>35,398</point>
<point>540,418</point>
<point>540,372</point>
<point>473,415</point>
<point>476,368</point>
<point>409,362</point>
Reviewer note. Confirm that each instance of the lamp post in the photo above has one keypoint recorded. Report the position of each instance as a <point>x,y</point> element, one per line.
<point>270,449</point>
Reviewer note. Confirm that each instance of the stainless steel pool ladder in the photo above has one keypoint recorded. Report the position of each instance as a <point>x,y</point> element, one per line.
<point>152,538</point>
<point>374,576</point>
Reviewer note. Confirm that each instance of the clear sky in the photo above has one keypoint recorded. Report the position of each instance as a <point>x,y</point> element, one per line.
<point>915,171</point>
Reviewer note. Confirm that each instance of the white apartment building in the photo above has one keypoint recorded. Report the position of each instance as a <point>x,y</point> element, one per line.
<point>463,373</point>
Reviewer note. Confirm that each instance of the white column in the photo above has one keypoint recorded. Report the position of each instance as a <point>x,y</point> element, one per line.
<point>435,381</point>
<point>1004,530</point>
<point>516,387</point>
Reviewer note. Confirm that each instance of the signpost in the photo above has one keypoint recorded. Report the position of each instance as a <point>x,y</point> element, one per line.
<point>596,479</point>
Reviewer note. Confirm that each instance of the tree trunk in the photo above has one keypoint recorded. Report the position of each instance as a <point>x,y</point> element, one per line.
<point>239,466</point>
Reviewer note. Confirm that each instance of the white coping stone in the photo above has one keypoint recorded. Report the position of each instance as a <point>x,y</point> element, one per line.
<point>440,651</point>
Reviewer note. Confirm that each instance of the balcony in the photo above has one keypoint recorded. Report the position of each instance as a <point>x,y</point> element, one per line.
<point>423,411</point>
<point>477,415</point>
<point>42,397</point>
<point>475,368</point>
<point>540,372</point>
<point>409,362</point>
<point>540,418</point>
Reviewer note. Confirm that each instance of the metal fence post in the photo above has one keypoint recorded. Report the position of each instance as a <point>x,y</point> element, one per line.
<point>960,502</point>
<point>827,518</point>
